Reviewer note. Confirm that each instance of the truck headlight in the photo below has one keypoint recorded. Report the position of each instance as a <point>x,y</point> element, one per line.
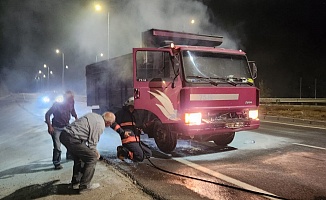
<point>193,118</point>
<point>253,114</point>
<point>59,99</point>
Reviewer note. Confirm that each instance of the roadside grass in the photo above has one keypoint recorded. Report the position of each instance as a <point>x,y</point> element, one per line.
<point>295,111</point>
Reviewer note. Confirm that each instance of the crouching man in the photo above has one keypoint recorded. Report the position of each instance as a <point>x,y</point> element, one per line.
<point>81,138</point>
<point>128,125</point>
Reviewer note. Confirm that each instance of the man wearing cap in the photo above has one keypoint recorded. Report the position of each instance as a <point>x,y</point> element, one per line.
<point>61,112</point>
<point>81,138</point>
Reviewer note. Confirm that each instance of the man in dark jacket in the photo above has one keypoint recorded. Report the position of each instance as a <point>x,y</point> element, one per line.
<point>81,138</point>
<point>61,112</point>
<point>127,125</point>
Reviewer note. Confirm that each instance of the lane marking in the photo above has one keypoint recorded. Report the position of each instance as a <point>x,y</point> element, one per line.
<point>298,125</point>
<point>305,145</point>
<point>222,176</point>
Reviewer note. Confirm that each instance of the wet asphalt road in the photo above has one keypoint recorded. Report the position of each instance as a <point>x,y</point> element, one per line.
<point>288,161</point>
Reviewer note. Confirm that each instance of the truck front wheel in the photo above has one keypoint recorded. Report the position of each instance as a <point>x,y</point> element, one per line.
<point>165,140</point>
<point>224,140</point>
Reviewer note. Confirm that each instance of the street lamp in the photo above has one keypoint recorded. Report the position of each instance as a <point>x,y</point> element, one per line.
<point>63,68</point>
<point>192,21</point>
<point>96,57</point>
<point>98,8</point>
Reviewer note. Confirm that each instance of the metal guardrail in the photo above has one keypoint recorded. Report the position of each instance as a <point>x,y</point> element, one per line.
<point>33,96</point>
<point>292,101</point>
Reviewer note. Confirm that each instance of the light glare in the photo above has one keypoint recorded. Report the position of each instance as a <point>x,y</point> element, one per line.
<point>193,118</point>
<point>253,114</point>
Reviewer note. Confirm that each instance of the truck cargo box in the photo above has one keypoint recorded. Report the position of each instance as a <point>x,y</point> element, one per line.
<point>109,82</point>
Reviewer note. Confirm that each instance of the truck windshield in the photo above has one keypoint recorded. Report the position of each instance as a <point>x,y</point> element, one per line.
<point>215,66</point>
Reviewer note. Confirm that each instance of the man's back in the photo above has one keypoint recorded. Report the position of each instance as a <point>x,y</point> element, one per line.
<point>87,128</point>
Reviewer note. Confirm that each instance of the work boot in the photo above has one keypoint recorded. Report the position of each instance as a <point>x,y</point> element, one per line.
<point>84,188</point>
<point>74,186</point>
<point>122,153</point>
<point>58,167</point>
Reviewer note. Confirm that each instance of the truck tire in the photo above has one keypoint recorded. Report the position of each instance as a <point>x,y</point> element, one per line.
<point>224,140</point>
<point>165,139</point>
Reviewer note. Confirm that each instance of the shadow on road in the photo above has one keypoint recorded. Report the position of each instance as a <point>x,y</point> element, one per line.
<point>26,169</point>
<point>41,190</point>
<point>188,148</point>
<point>184,148</point>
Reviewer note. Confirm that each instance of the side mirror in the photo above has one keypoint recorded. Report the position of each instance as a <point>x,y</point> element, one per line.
<point>253,69</point>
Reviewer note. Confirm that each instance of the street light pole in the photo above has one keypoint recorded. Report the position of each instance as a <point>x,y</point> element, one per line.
<point>300,86</point>
<point>98,8</point>
<point>63,68</point>
<point>63,71</point>
<point>315,88</point>
<point>48,75</point>
<point>108,35</point>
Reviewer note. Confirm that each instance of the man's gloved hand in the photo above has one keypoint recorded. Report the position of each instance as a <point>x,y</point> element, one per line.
<point>127,133</point>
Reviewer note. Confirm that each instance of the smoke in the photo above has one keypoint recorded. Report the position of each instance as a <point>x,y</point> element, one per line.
<point>134,17</point>
<point>33,29</point>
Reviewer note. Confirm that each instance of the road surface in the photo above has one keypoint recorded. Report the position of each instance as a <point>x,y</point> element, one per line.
<point>278,159</point>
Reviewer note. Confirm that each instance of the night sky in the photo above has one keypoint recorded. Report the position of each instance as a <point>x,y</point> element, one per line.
<point>286,38</point>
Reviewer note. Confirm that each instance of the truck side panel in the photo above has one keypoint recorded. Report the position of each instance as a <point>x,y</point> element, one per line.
<point>109,83</point>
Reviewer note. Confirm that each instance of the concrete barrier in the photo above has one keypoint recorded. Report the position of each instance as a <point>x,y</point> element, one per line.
<point>293,120</point>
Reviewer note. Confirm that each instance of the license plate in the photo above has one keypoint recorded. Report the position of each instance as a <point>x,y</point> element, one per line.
<point>234,125</point>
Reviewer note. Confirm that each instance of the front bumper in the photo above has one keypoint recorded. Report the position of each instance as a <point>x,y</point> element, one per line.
<point>221,127</point>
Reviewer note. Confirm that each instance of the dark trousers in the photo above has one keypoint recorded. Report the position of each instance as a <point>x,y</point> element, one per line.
<point>140,150</point>
<point>84,159</point>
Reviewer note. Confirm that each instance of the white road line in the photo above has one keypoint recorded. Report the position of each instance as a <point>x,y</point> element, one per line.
<point>305,145</point>
<point>222,176</point>
<point>298,125</point>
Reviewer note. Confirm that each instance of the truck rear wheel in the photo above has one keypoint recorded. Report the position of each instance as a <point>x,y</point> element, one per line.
<point>165,140</point>
<point>224,140</point>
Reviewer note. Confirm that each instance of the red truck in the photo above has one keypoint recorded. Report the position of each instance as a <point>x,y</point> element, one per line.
<point>192,88</point>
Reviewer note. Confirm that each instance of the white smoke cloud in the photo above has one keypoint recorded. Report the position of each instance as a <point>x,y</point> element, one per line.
<point>128,19</point>
<point>36,28</point>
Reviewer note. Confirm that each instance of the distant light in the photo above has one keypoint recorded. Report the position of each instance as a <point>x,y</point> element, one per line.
<point>101,54</point>
<point>39,71</point>
<point>98,7</point>
<point>59,99</point>
<point>57,51</point>
<point>44,65</point>
<point>46,99</point>
<point>172,45</point>
<point>67,67</point>
<point>192,21</point>
<point>51,72</point>
<point>44,76</point>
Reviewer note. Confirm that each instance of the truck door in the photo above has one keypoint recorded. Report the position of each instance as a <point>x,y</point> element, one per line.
<point>156,82</point>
